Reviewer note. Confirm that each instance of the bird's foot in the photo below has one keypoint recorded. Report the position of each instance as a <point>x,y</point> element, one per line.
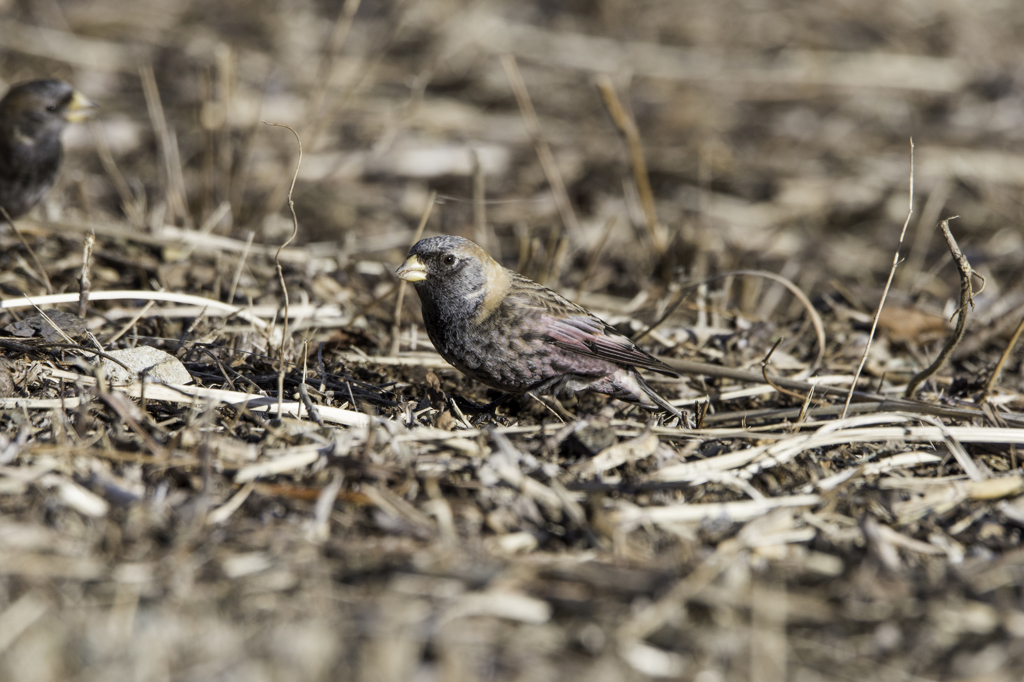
<point>554,406</point>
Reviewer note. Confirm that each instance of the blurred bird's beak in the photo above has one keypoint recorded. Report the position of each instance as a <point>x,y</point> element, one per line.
<point>79,108</point>
<point>412,270</point>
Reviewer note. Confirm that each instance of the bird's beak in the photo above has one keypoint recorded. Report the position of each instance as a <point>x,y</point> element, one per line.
<point>412,270</point>
<point>79,108</point>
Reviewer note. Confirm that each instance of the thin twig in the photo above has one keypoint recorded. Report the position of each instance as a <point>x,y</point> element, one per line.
<point>316,116</point>
<point>1002,361</point>
<point>702,412</point>
<point>31,253</point>
<point>175,184</point>
<point>320,367</point>
<point>280,271</point>
<point>667,314</point>
<point>627,126</point>
<point>913,274</point>
<point>595,255</point>
<point>480,231</point>
<point>129,203</point>
<point>916,406</point>
<point>812,313</point>
<point>804,408</point>
<point>815,317</point>
<point>556,254</point>
<point>84,283</point>
<point>966,300</point>
<point>544,155</point>
<point>768,379</point>
<point>888,283</point>
<point>396,328</point>
<point>191,328</point>
<point>241,265</point>
<point>131,323</point>
<point>303,393</point>
<point>222,211</point>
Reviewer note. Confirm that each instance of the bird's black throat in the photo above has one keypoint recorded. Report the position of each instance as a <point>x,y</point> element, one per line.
<point>450,303</point>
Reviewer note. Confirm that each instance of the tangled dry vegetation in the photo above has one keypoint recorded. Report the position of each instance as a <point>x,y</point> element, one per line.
<point>327,499</point>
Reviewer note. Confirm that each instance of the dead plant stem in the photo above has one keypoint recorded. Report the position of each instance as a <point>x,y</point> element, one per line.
<point>966,300</point>
<point>627,126</point>
<point>885,292</point>
<point>280,271</point>
<point>1002,360</point>
<point>396,327</point>
<point>31,253</point>
<point>84,282</point>
<point>547,159</point>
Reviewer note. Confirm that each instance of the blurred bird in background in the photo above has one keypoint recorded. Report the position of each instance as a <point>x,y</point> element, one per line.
<point>32,116</point>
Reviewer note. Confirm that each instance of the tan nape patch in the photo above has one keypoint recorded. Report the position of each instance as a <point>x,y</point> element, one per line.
<point>498,282</point>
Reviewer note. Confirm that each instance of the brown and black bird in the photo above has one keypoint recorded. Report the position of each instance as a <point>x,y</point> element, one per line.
<point>513,334</point>
<point>32,116</point>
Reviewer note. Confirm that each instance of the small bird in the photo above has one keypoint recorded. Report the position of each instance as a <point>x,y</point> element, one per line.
<point>513,334</point>
<point>32,116</point>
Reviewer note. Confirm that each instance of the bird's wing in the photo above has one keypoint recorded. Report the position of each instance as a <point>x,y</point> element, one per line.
<point>587,335</point>
<point>575,329</point>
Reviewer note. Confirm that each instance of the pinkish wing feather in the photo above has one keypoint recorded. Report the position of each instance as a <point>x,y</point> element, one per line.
<point>589,336</point>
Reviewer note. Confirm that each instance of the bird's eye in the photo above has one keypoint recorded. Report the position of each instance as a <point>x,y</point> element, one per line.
<point>51,107</point>
<point>448,260</point>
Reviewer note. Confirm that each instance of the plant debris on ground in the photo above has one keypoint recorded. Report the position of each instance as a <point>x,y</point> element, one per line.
<point>228,450</point>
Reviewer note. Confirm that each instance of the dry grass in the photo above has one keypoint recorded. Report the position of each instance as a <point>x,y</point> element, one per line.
<point>364,524</point>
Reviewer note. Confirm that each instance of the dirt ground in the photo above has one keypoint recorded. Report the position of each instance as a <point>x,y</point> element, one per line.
<point>719,178</point>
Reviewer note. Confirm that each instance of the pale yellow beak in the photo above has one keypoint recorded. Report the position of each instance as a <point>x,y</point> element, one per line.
<point>79,108</point>
<point>412,270</point>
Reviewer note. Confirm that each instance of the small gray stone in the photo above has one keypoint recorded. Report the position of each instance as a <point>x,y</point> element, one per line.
<point>40,326</point>
<point>154,362</point>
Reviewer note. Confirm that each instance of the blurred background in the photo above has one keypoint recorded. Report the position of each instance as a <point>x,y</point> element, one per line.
<point>776,134</point>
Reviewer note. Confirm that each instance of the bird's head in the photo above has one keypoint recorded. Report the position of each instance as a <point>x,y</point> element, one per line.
<point>437,258</point>
<point>454,272</point>
<point>36,108</point>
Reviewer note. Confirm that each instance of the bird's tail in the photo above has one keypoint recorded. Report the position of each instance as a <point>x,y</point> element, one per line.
<point>655,396</point>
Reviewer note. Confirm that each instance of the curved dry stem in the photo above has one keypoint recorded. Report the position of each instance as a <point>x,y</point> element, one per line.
<point>966,299</point>
<point>816,322</point>
<point>668,313</point>
<point>768,379</point>
<point>819,326</point>
<point>280,272</point>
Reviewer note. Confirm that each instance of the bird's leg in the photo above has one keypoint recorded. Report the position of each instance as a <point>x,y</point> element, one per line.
<point>559,386</point>
<point>654,396</point>
<point>554,405</point>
